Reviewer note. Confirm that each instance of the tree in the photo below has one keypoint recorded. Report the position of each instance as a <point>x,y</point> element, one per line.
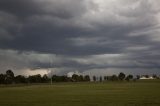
<point>94,78</point>
<point>138,76</point>
<point>20,79</point>
<point>64,78</point>
<point>9,77</point>
<point>109,78</point>
<point>31,79</point>
<point>114,78</point>
<point>2,78</point>
<point>54,78</point>
<point>147,76</point>
<point>121,76</point>
<point>105,78</point>
<point>86,78</point>
<point>45,78</point>
<point>129,77</point>
<point>100,78</point>
<point>38,78</point>
<point>35,78</point>
<point>75,77</point>
<point>81,78</point>
<point>155,76</point>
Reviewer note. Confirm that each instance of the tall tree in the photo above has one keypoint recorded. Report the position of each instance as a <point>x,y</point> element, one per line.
<point>94,78</point>
<point>75,77</point>
<point>2,78</point>
<point>54,78</point>
<point>155,76</point>
<point>129,77</point>
<point>9,77</point>
<point>81,78</point>
<point>138,76</point>
<point>20,79</point>
<point>113,78</point>
<point>121,76</point>
<point>105,78</point>
<point>86,78</point>
<point>147,76</point>
<point>35,78</point>
<point>100,78</point>
<point>45,78</point>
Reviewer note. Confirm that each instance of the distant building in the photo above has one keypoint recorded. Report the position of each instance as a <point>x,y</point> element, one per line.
<point>144,77</point>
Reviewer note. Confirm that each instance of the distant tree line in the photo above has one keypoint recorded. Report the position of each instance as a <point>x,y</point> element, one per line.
<point>10,78</point>
<point>122,77</point>
<point>114,77</point>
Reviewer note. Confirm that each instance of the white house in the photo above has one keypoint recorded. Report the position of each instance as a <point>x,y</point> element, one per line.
<point>143,77</point>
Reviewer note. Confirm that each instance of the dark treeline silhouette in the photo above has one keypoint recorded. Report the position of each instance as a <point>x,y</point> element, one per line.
<point>122,77</point>
<point>10,78</point>
<point>114,77</point>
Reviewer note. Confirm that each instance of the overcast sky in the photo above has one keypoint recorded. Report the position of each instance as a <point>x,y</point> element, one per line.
<point>90,36</point>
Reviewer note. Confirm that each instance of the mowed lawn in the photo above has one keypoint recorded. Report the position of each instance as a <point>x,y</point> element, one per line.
<point>141,93</point>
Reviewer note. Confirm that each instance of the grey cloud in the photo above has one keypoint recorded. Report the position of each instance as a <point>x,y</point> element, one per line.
<point>60,9</point>
<point>9,26</point>
<point>80,29</point>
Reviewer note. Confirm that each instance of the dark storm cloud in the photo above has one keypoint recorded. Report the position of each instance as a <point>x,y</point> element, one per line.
<point>79,31</point>
<point>24,9</point>
<point>48,26</point>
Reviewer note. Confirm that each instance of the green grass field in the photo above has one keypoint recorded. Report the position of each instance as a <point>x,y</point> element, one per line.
<point>141,93</point>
